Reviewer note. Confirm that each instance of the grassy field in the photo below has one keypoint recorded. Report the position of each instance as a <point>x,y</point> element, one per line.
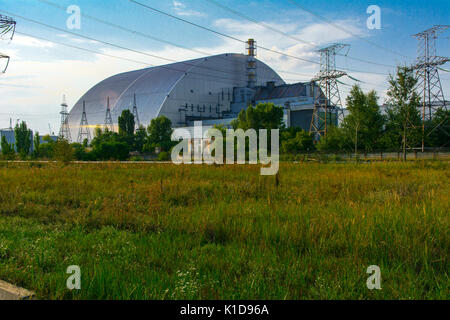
<point>224,232</point>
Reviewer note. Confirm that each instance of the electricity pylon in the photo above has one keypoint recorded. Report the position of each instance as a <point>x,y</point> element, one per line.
<point>327,99</point>
<point>7,26</point>
<point>84,132</point>
<point>64,131</point>
<point>108,118</point>
<point>429,85</point>
<point>137,123</point>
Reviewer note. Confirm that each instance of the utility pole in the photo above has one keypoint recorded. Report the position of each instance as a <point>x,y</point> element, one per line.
<point>64,131</point>
<point>429,85</point>
<point>137,123</point>
<point>7,27</point>
<point>84,132</point>
<point>327,99</point>
<point>108,118</point>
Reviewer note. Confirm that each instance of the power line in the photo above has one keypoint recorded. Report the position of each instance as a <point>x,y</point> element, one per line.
<point>218,32</point>
<point>146,35</point>
<point>165,41</point>
<point>83,49</point>
<point>235,12</point>
<point>136,51</point>
<point>345,30</point>
<point>105,54</point>
<point>240,40</point>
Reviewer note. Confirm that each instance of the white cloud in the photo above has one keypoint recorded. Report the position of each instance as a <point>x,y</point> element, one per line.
<point>21,40</point>
<point>181,10</point>
<point>76,39</point>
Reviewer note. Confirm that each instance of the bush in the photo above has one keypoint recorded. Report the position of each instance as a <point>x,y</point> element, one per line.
<point>63,151</point>
<point>112,151</point>
<point>8,152</point>
<point>163,156</point>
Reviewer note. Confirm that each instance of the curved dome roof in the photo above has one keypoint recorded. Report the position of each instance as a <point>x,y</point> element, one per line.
<point>154,86</point>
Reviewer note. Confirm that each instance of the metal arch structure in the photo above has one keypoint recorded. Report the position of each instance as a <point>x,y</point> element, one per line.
<point>7,27</point>
<point>327,99</point>
<point>166,90</point>
<point>429,85</point>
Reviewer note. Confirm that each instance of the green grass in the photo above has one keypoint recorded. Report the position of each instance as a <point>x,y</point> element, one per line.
<point>143,231</point>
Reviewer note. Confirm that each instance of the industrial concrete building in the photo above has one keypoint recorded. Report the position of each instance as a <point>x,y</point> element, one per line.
<point>212,89</point>
<point>10,137</point>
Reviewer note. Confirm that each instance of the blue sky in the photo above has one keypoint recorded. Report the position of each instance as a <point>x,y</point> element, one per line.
<point>41,72</point>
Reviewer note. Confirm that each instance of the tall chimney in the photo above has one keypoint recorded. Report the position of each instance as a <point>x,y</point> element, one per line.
<point>251,63</point>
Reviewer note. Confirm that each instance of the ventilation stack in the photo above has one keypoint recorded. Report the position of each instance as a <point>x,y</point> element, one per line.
<point>251,63</point>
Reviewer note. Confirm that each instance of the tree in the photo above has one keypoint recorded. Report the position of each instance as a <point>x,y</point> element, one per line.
<point>140,138</point>
<point>159,134</point>
<point>101,136</point>
<point>36,144</point>
<point>113,150</point>
<point>439,129</point>
<point>263,116</point>
<point>46,148</point>
<point>296,140</point>
<point>336,140</point>
<point>364,124</point>
<point>108,145</point>
<point>63,151</point>
<point>126,126</point>
<point>403,117</point>
<point>7,149</point>
<point>79,152</point>
<point>23,139</point>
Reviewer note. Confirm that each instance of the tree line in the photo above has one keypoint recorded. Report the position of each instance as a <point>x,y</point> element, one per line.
<point>106,145</point>
<point>364,129</point>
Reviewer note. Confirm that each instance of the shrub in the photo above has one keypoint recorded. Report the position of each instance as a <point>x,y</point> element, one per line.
<point>163,156</point>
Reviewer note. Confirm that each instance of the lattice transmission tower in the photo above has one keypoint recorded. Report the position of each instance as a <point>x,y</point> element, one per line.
<point>327,99</point>
<point>7,30</point>
<point>64,131</point>
<point>137,123</point>
<point>84,132</point>
<point>108,118</point>
<point>429,84</point>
